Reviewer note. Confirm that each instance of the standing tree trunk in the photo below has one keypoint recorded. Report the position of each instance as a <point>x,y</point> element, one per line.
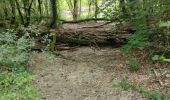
<point>75,10</point>
<point>19,11</point>
<point>96,8</point>
<point>46,6</point>
<point>54,24</point>
<point>80,8</point>
<point>40,10</point>
<point>54,13</point>
<point>28,12</point>
<point>89,4</point>
<point>13,18</point>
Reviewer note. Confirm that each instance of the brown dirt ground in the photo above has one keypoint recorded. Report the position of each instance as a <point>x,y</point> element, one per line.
<point>87,73</point>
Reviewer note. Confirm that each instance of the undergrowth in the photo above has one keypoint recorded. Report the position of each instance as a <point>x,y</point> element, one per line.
<point>134,65</point>
<point>15,79</point>
<point>148,21</point>
<point>150,95</point>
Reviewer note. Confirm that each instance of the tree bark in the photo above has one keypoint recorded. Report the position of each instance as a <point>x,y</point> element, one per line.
<point>19,11</point>
<point>89,5</point>
<point>40,10</point>
<point>13,19</point>
<point>28,14</point>
<point>46,6</point>
<point>27,11</point>
<point>54,14</point>
<point>80,4</point>
<point>75,10</point>
<point>89,38</point>
<point>96,8</point>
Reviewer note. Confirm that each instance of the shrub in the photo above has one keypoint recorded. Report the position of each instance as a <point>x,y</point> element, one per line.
<point>14,51</point>
<point>15,80</point>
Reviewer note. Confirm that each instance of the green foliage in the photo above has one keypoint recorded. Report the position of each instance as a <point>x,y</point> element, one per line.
<point>164,29</point>
<point>141,14</point>
<point>160,58</point>
<point>15,80</point>
<point>165,32</point>
<point>18,86</point>
<point>111,12</point>
<point>138,14</point>
<point>150,95</point>
<point>164,24</point>
<point>134,65</point>
<point>136,41</point>
<point>14,50</point>
<point>124,85</point>
<point>155,57</point>
<point>155,96</point>
<point>141,37</point>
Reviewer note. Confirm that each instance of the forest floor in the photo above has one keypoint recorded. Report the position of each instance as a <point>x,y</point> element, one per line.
<point>88,73</point>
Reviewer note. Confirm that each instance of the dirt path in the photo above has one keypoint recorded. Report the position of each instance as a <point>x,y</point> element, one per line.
<point>85,74</point>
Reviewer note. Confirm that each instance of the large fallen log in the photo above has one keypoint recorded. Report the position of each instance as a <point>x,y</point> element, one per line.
<point>113,40</point>
<point>89,34</point>
<point>88,37</point>
<point>86,20</point>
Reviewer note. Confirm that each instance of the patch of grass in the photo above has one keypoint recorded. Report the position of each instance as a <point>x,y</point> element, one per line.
<point>150,95</point>
<point>18,86</point>
<point>134,65</point>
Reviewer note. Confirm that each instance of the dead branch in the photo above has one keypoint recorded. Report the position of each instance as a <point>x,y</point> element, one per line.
<point>157,77</point>
<point>86,20</point>
<point>96,26</point>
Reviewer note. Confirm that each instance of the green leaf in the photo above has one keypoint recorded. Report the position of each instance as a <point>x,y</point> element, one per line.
<point>164,24</point>
<point>155,57</point>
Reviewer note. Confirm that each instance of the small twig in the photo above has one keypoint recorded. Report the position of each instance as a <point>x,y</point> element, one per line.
<point>65,48</point>
<point>164,74</point>
<point>158,77</point>
<point>155,72</point>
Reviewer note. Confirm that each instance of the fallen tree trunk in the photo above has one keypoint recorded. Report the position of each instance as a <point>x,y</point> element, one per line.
<point>87,20</point>
<point>100,34</point>
<point>100,37</point>
<point>115,40</point>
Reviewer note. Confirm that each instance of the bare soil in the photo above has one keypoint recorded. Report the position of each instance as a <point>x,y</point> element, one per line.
<point>87,73</point>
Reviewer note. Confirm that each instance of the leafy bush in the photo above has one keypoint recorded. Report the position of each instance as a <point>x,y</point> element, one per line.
<point>34,32</point>
<point>14,50</point>
<point>15,80</point>
<point>136,41</point>
<point>31,30</point>
<point>164,41</point>
<point>165,29</point>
